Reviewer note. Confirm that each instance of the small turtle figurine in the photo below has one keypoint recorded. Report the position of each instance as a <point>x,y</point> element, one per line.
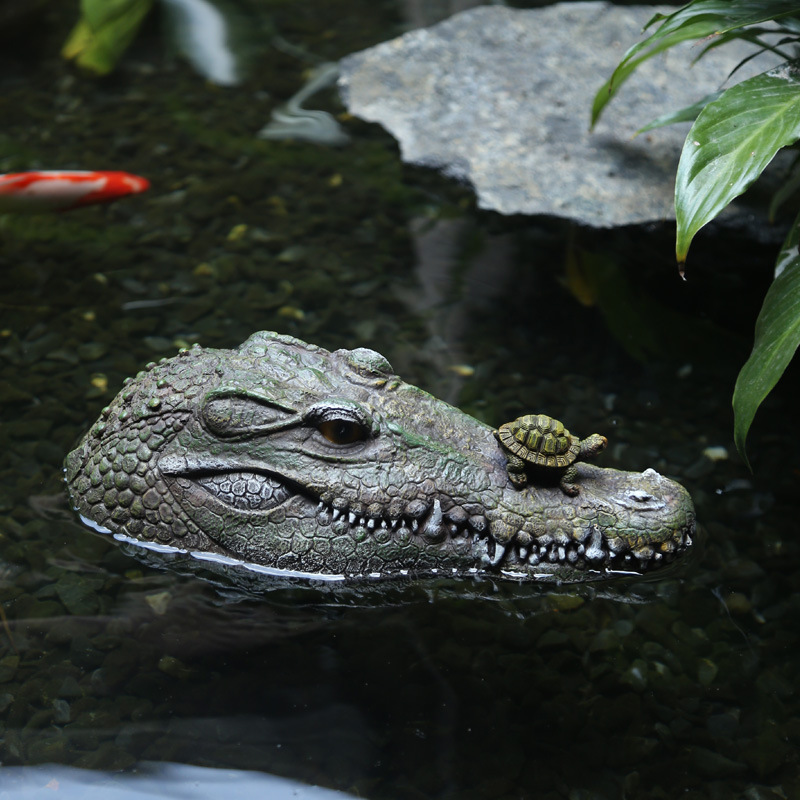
<point>539,442</point>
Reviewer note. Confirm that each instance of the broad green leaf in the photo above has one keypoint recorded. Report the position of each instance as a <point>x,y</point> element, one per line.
<point>685,114</point>
<point>104,32</point>
<point>777,337</point>
<point>730,144</point>
<point>696,20</point>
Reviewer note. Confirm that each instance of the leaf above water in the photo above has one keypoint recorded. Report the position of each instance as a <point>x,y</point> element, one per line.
<point>777,337</point>
<point>696,20</point>
<point>730,144</point>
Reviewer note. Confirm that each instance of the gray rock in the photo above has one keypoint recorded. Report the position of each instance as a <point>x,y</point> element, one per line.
<point>502,97</point>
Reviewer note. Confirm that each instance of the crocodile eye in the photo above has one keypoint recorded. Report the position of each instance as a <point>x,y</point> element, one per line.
<point>342,431</point>
<point>340,422</point>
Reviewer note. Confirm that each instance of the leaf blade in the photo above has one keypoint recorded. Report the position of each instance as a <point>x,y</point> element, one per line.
<point>634,57</point>
<point>731,142</point>
<point>698,19</point>
<point>777,337</point>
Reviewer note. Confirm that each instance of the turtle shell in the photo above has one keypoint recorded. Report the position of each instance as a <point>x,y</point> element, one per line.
<point>540,440</point>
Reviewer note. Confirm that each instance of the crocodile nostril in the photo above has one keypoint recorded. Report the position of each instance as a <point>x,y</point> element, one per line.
<point>641,497</point>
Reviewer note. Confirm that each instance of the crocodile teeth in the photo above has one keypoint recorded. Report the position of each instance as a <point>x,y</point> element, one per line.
<point>584,548</point>
<point>495,552</point>
<point>594,550</point>
<point>433,530</point>
<point>429,522</point>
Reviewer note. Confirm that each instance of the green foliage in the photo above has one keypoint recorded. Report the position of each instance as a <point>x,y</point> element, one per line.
<point>103,32</point>
<point>735,135</point>
<point>722,19</point>
<point>776,340</point>
<point>731,142</point>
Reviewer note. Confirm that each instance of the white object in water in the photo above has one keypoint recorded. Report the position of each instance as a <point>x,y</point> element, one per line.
<point>203,36</point>
<point>292,121</point>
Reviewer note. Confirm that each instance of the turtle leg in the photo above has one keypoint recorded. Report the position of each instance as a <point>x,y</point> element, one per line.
<point>567,482</point>
<point>516,470</point>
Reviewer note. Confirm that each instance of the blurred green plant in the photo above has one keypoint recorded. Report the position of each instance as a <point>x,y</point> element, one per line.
<point>736,133</point>
<point>103,32</point>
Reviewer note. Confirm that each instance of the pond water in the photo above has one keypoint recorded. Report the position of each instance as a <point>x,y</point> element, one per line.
<point>684,686</point>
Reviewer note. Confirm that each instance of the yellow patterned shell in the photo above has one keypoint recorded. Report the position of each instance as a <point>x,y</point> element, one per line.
<point>540,440</point>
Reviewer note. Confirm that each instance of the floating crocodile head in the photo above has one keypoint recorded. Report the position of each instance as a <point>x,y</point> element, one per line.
<point>283,455</point>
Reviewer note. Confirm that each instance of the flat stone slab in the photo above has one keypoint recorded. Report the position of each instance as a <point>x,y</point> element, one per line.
<point>501,98</point>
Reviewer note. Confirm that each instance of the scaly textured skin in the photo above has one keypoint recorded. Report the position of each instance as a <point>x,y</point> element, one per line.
<point>229,452</point>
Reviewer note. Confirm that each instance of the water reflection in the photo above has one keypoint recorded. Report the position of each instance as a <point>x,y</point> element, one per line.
<point>152,779</point>
<point>203,35</point>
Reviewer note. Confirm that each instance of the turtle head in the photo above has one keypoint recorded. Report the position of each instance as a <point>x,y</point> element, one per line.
<point>592,445</point>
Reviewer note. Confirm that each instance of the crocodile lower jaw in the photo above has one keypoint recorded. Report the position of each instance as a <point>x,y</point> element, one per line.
<point>593,552</point>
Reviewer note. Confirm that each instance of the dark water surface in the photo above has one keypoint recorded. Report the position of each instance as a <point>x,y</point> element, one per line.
<point>683,687</point>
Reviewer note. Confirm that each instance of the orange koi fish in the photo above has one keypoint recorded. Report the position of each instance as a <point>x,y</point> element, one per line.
<point>61,190</point>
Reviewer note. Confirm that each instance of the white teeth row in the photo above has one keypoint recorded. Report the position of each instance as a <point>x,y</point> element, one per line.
<point>594,551</point>
<point>432,525</point>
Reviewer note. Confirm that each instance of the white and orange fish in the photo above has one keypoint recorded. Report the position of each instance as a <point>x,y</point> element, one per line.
<point>62,190</point>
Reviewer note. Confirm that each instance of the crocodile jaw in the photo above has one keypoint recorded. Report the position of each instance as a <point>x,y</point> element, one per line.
<point>625,524</point>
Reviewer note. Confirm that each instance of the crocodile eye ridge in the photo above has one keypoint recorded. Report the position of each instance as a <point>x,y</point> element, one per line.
<point>231,415</point>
